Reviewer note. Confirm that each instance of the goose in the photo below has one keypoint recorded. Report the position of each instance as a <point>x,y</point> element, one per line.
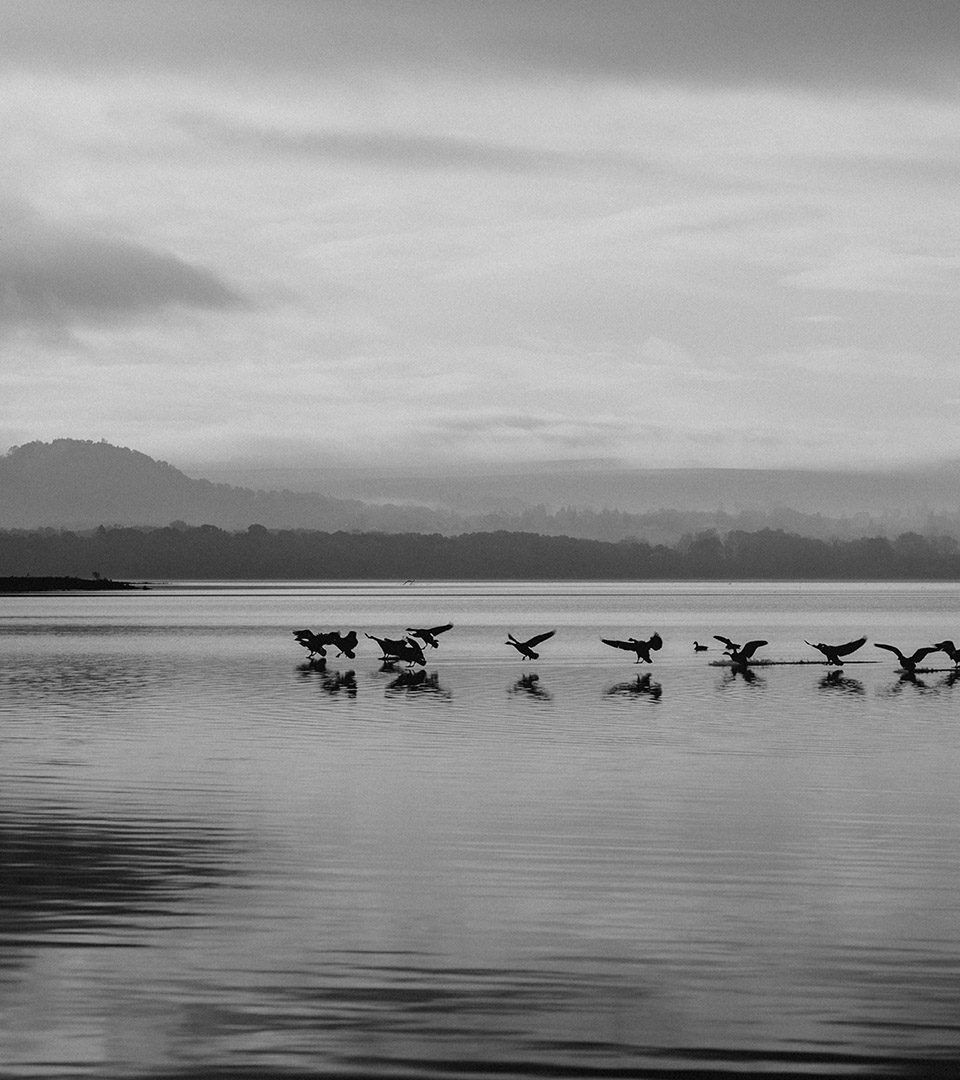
<point>950,649</point>
<point>908,663</point>
<point>405,649</point>
<point>315,643</point>
<point>429,637</point>
<point>697,647</point>
<point>641,648</point>
<point>525,648</point>
<point>346,644</point>
<point>834,652</point>
<point>740,655</point>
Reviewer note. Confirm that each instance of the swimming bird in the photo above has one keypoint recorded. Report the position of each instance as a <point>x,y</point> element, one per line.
<point>950,649</point>
<point>429,637</point>
<point>908,663</point>
<point>697,647</point>
<point>405,649</point>
<point>740,655</point>
<point>641,648</point>
<point>525,648</point>
<point>834,652</point>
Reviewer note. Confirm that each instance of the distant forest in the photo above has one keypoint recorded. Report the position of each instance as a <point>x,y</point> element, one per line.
<point>206,552</point>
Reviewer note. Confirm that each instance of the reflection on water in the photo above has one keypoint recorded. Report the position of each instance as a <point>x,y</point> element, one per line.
<point>219,860</point>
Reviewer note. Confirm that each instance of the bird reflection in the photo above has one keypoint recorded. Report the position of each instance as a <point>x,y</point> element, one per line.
<point>741,671</point>
<point>641,686</point>
<point>530,685</point>
<point>336,683</point>
<point>836,680</point>
<point>419,682</point>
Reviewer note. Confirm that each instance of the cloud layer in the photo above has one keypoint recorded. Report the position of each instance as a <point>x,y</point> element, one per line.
<point>662,232</point>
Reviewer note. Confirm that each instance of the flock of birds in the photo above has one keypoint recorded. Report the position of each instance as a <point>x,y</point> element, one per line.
<point>409,648</point>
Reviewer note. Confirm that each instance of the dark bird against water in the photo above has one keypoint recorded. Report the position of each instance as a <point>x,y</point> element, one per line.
<point>429,637</point>
<point>405,649</point>
<point>908,663</point>
<point>950,649</point>
<point>641,648</point>
<point>315,643</point>
<point>345,644</point>
<point>697,647</point>
<point>525,648</point>
<point>834,652</point>
<point>739,654</point>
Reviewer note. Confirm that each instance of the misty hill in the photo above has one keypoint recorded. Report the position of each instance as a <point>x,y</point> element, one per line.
<point>77,484</point>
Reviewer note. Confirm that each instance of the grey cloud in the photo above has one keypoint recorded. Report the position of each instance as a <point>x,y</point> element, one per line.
<point>396,148</point>
<point>872,42</point>
<point>56,275</point>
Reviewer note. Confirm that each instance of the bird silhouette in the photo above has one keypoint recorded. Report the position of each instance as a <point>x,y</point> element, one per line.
<point>315,643</point>
<point>950,649</point>
<point>738,654</point>
<point>525,648</point>
<point>429,637</point>
<point>834,652</point>
<point>641,648</point>
<point>345,644</point>
<point>697,647</point>
<point>908,663</point>
<point>405,649</point>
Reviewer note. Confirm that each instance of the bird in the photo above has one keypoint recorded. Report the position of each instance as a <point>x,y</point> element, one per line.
<point>739,654</point>
<point>697,647</point>
<point>641,648</point>
<point>908,663</point>
<point>346,644</point>
<point>525,648</point>
<point>950,649</point>
<point>429,637</point>
<point>405,649</point>
<point>834,652</point>
<point>314,643</point>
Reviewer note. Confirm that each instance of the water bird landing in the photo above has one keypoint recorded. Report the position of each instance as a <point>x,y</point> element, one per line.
<point>834,652</point>
<point>315,644</point>
<point>429,637</point>
<point>345,644</point>
<point>950,649</point>
<point>740,654</point>
<point>641,648</point>
<point>908,663</point>
<point>405,649</point>
<point>525,648</point>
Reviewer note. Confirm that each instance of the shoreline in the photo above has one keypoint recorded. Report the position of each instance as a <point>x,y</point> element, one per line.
<point>28,584</point>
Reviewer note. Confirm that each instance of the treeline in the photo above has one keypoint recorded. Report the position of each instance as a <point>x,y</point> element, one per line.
<point>206,552</point>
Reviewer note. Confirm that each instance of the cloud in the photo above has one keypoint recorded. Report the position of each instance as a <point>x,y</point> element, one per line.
<point>52,274</point>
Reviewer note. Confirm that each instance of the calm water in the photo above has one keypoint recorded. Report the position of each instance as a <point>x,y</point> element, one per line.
<point>218,861</point>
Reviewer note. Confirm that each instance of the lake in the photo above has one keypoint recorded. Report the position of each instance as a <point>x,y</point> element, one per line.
<point>220,860</point>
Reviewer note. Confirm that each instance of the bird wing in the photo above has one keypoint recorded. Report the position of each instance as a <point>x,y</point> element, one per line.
<point>512,638</point>
<point>618,644</point>
<point>819,647</point>
<point>921,653</point>
<point>539,637</point>
<point>729,644</point>
<point>849,647</point>
<point>889,648</point>
<point>656,642</point>
<point>750,648</point>
<point>440,629</point>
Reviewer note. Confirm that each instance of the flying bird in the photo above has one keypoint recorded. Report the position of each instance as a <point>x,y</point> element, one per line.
<point>525,648</point>
<point>834,652</point>
<point>641,648</point>
<point>908,663</point>
<point>429,637</point>
<point>739,654</point>
<point>950,649</point>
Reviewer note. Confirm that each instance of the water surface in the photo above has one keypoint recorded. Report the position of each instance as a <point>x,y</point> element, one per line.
<point>220,860</point>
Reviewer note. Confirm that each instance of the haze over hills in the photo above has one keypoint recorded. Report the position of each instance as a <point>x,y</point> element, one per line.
<point>78,484</point>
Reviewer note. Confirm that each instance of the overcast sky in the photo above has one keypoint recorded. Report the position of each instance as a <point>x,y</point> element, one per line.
<point>659,233</point>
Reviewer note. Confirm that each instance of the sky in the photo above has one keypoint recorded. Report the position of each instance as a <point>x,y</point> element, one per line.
<point>655,234</point>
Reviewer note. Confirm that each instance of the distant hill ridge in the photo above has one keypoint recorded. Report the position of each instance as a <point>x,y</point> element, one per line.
<point>81,484</point>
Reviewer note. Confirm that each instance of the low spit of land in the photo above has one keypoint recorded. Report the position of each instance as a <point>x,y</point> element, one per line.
<point>62,584</point>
